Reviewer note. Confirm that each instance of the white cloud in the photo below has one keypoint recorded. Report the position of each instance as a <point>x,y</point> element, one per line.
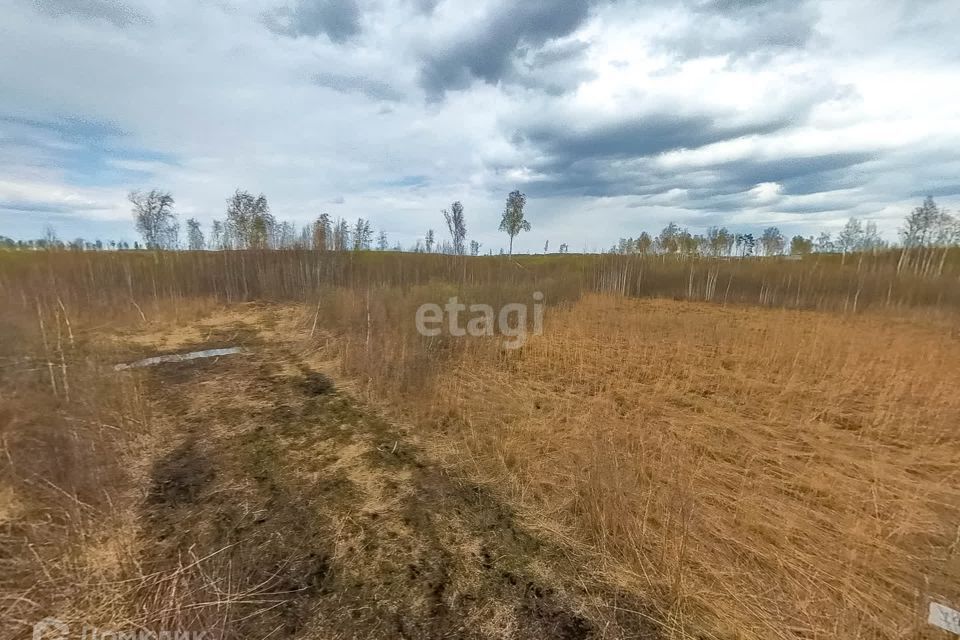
<point>626,115</point>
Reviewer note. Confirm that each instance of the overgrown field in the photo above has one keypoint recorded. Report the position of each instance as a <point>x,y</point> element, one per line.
<point>756,473</point>
<point>691,449</point>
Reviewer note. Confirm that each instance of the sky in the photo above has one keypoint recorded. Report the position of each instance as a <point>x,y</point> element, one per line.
<point>613,117</point>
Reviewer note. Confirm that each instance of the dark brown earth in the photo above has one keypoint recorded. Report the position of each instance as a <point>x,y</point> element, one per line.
<point>285,509</point>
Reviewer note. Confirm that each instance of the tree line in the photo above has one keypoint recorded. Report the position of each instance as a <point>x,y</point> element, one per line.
<point>721,242</point>
<point>925,236</point>
<point>249,224</point>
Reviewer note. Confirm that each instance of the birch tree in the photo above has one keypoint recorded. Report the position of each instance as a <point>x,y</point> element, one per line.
<point>513,221</point>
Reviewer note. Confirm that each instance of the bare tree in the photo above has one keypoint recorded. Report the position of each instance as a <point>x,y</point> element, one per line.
<point>824,243</point>
<point>719,241</point>
<point>285,235</point>
<point>871,238</point>
<point>850,238</point>
<point>689,244</point>
<point>341,235</point>
<point>429,240</point>
<point>643,243</point>
<point>772,241</point>
<point>669,239</point>
<point>322,232</point>
<point>513,221</point>
<point>155,220</point>
<point>800,246</point>
<point>928,233</point>
<point>218,237</point>
<point>920,227</point>
<point>250,224</point>
<point>194,235</point>
<point>457,225</point>
<point>362,235</point>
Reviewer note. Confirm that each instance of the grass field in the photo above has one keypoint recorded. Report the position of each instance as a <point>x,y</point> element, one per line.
<point>755,473</point>
<point>712,449</point>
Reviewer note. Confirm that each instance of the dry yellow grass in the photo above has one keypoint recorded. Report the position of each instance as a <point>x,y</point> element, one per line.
<point>748,472</point>
<point>755,473</point>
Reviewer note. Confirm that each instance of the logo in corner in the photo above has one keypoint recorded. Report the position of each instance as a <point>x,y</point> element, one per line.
<point>50,629</point>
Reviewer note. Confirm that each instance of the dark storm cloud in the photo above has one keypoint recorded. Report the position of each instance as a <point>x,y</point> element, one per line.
<point>597,177</point>
<point>344,83</point>
<point>614,159</point>
<point>488,52</point>
<point>338,19</point>
<point>713,202</point>
<point>618,159</point>
<point>639,137</point>
<point>114,12</point>
<point>729,184</point>
<point>798,175</point>
<point>740,28</point>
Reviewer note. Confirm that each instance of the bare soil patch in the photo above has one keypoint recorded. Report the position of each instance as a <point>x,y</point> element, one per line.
<point>290,510</point>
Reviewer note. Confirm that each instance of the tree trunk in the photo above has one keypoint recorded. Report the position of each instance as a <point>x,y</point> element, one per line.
<point>511,246</point>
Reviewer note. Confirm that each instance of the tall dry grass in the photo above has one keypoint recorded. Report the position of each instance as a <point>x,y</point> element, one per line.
<point>76,447</point>
<point>110,285</point>
<point>753,473</point>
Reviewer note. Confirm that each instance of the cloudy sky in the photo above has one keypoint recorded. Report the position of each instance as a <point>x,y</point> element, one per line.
<point>613,117</point>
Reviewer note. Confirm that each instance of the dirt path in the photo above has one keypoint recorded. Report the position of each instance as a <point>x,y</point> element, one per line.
<point>294,512</point>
